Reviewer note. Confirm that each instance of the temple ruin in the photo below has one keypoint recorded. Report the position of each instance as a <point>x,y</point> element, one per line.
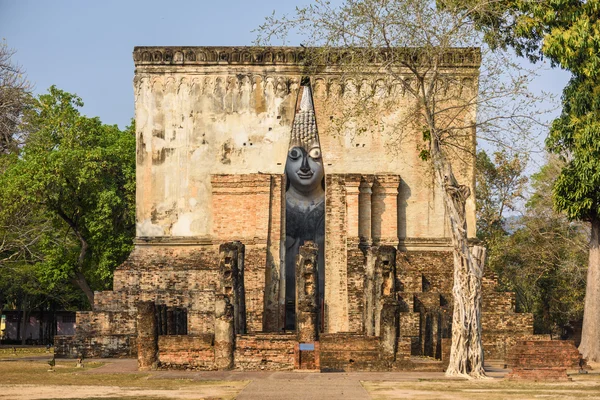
<point>270,238</point>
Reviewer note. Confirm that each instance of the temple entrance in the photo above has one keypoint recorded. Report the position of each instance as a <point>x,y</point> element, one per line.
<point>305,203</point>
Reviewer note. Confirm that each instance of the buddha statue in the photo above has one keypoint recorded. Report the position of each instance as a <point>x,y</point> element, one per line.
<point>305,199</point>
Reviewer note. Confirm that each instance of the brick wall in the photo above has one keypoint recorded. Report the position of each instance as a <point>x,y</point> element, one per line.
<point>265,351</point>
<point>350,352</point>
<point>240,205</point>
<point>186,352</point>
<point>104,346</point>
<point>542,360</point>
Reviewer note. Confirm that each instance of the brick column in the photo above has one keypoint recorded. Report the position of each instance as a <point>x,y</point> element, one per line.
<point>306,292</point>
<point>385,281</point>
<point>147,335</point>
<point>364,209</point>
<point>384,209</point>
<point>370,297</point>
<point>274,305</point>
<point>336,255</point>
<point>224,335</point>
<point>389,327</point>
<point>352,183</point>
<point>231,269</point>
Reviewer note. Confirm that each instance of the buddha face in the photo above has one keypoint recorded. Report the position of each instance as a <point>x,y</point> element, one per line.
<point>304,169</point>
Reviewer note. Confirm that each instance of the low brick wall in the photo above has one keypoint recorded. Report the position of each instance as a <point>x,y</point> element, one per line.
<point>265,351</point>
<point>497,345</point>
<point>540,374</point>
<point>542,359</point>
<point>351,352</point>
<point>106,346</point>
<point>543,354</point>
<point>186,352</point>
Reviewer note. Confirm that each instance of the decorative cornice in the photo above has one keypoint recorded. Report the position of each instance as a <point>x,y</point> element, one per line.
<point>211,55</point>
<point>293,56</point>
<point>172,241</point>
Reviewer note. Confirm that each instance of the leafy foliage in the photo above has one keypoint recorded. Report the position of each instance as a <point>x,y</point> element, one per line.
<point>567,33</point>
<point>576,136</point>
<point>80,175</point>
<point>544,259</point>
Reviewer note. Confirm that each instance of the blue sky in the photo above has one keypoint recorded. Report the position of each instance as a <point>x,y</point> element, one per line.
<point>85,47</point>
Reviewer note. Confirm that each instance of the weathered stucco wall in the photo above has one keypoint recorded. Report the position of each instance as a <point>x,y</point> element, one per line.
<point>202,111</point>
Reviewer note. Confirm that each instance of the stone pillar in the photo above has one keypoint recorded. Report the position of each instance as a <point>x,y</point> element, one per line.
<point>306,293</point>
<point>380,285</point>
<point>437,339</point>
<point>370,293</point>
<point>388,326</point>
<point>231,269</point>
<point>224,333</point>
<point>385,280</point>
<point>364,209</point>
<point>147,336</point>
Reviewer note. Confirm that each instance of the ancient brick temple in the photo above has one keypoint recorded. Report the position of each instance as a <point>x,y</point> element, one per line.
<point>272,236</point>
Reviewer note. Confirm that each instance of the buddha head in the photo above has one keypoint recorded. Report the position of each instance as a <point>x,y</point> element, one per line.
<point>304,169</point>
<point>304,166</point>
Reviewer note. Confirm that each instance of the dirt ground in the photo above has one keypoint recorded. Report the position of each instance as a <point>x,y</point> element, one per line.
<point>484,390</point>
<point>38,392</point>
<point>25,378</point>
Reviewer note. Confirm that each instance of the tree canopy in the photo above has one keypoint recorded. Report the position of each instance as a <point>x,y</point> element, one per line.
<point>79,174</point>
<point>541,257</point>
<point>567,32</point>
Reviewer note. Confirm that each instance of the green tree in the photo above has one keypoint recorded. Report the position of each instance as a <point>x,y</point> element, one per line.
<point>543,259</point>
<point>80,174</point>
<point>567,33</point>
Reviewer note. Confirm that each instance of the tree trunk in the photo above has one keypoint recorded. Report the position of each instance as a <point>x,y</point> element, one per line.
<point>80,281</point>
<point>2,334</point>
<point>590,334</point>
<point>466,353</point>
<point>24,324</point>
<point>79,278</point>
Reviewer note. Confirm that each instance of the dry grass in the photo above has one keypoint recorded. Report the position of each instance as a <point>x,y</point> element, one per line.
<point>21,379</point>
<point>10,352</point>
<point>583,386</point>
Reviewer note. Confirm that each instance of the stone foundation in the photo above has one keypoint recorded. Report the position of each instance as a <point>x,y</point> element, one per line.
<point>409,315</point>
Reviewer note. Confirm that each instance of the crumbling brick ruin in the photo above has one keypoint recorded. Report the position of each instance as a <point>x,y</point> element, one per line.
<point>208,285</point>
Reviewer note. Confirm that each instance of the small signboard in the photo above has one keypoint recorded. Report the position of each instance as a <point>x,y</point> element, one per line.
<point>306,346</point>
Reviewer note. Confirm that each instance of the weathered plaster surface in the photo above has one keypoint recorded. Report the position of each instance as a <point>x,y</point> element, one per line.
<point>203,111</point>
